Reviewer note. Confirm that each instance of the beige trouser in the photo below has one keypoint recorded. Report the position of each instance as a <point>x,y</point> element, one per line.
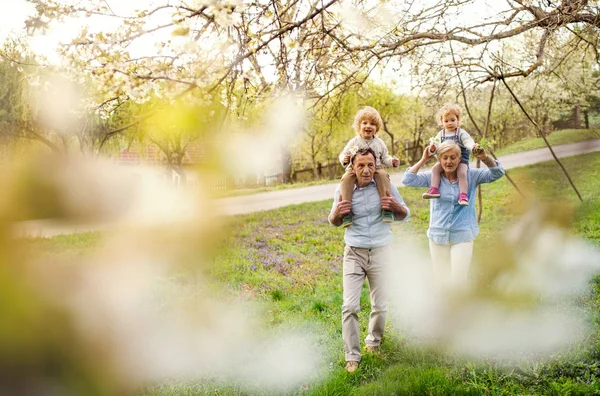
<point>451,262</point>
<point>358,263</point>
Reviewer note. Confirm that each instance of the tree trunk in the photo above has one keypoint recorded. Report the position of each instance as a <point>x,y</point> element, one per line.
<point>286,165</point>
<point>391,135</point>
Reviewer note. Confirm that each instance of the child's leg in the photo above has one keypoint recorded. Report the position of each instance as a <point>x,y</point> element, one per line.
<point>382,179</point>
<point>463,182</point>
<point>347,185</point>
<point>436,176</point>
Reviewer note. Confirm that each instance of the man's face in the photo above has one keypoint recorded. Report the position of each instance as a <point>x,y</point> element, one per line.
<point>364,167</point>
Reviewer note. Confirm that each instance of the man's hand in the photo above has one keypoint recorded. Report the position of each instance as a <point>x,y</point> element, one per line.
<point>395,162</point>
<point>341,209</point>
<point>389,203</point>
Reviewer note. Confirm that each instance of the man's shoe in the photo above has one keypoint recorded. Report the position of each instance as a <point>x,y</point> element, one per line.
<point>351,366</point>
<point>347,221</point>
<point>463,199</point>
<point>388,216</point>
<point>372,348</point>
<point>432,193</point>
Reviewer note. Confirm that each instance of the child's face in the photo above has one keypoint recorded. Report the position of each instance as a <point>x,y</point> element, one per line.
<point>367,128</point>
<point>450,122</point>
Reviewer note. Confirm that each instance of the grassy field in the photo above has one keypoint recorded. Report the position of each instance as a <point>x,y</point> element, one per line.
<point>289,261</point>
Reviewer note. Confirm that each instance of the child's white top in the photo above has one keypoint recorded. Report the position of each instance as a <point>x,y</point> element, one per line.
<point>382,155</point>
<point>464,139</point>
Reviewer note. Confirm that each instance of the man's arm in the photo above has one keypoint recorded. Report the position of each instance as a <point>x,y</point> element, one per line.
<point>338,209</point>
<point>393,201</point>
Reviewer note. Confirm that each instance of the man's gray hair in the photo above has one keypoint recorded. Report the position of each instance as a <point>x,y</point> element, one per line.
<point>363,151</point>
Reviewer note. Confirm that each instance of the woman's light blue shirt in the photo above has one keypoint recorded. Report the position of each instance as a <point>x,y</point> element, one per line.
<point>449,222</point>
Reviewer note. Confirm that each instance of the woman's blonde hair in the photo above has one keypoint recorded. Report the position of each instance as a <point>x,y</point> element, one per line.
<point>447,145</point>
<point>448,108</point>
<point>370,114</point>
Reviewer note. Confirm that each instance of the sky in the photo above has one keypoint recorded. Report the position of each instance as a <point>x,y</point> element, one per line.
<point>12,19</point>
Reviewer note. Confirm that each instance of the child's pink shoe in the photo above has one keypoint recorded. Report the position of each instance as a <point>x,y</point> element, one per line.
<point>432,193</point>
<point>463,199</point>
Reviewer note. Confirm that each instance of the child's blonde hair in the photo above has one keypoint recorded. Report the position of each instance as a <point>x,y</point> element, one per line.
<point>448,108</point>
<point>370,114</point>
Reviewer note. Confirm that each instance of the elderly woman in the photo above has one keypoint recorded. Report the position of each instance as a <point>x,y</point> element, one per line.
<point>452,227</point>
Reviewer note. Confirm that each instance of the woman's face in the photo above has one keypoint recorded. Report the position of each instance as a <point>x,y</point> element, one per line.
<point>449,160</point>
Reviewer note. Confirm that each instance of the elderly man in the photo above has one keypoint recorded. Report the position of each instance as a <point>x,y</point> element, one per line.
<point>366,253</point>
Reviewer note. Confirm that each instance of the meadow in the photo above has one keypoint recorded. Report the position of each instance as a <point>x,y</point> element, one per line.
<point>288,262</point>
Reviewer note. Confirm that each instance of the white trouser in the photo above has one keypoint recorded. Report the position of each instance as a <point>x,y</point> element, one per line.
<point>451,262</point>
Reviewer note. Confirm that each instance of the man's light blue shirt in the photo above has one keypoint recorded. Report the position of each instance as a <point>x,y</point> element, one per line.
<point>368,229</point>
<point>449,222</point>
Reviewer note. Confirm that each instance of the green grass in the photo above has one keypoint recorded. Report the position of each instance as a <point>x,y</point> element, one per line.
<point>289,260</point>
<point>556,138</point>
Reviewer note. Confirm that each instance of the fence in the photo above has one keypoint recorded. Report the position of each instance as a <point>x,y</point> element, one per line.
<point>328,170</point>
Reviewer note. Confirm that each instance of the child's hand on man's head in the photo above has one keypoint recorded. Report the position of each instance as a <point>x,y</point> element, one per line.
<point>395,162</point>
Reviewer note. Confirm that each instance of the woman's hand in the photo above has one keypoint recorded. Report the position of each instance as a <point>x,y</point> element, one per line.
<point>479,152</point>
<point>424,158</point>
<point>427,153</point>
<point>488,161</point>
<point>477,149</point>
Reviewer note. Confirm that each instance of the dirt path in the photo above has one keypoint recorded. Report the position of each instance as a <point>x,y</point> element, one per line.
<point>276,199</point>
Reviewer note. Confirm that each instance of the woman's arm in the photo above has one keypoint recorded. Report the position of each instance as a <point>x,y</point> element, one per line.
<point>424,158</point>
<point>413,178</point>
<point>494,172</point>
